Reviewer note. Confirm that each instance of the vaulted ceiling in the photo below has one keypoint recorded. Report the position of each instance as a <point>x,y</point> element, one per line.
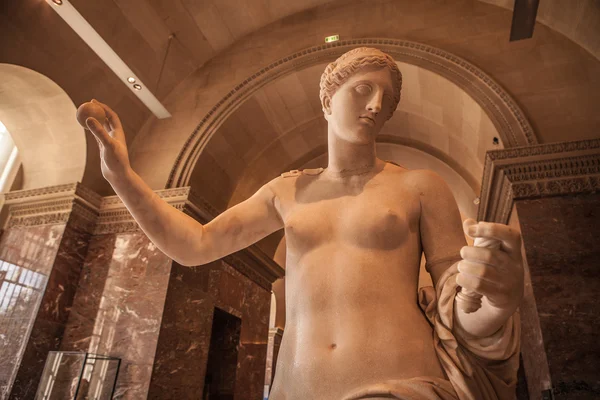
<point>191,53</point>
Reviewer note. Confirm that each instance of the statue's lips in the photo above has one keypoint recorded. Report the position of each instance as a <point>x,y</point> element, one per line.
<point>365,118</point>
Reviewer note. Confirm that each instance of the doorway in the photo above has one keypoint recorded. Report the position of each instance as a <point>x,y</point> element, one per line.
<point>219,382</point>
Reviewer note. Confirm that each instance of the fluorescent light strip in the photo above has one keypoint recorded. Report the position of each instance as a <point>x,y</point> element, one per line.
<point>107,54</point>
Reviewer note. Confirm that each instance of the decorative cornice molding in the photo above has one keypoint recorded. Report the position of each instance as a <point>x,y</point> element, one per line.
<point>53,192</point>
<point>53,205</point>
<point>115,218</point>
<point>510,121</point>
<point>553,169</point>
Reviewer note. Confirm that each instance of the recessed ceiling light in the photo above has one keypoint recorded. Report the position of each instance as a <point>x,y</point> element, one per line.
<point>131,79</point>
<point>476,201</point>
<point>108,55</point>
<point>57,2</point>
<point>137,87</point>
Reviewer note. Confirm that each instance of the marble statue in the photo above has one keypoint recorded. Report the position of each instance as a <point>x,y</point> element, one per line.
<point>356,325</point>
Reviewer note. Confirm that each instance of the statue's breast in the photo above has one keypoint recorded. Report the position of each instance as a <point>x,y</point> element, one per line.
<point>374,219</point>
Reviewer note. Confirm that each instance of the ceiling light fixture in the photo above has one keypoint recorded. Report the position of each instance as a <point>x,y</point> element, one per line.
<point>57,2</point>
<point>137,87</point>
<point>108,55</point>
<point>131,79</point>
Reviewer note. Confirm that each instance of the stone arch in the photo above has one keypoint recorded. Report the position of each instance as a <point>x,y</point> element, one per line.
<point>510,121</point>
<point>40,117</point>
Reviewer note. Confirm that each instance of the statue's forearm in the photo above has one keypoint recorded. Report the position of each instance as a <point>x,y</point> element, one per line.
<point>483,322</point>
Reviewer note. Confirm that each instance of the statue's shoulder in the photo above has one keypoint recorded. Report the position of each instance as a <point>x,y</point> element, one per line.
<point>308,171</point>
<point>425,179</point>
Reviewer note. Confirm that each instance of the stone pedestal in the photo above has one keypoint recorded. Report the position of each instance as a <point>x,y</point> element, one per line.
<point>553,192</point>
<point>42,249</point>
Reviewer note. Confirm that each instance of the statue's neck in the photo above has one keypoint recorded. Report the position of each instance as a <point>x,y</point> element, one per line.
<point>347,158</point>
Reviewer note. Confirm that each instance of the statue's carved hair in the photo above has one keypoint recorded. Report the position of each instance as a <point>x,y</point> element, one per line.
<point>339,71</point>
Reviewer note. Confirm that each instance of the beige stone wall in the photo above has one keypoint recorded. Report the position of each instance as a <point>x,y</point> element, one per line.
<point>40,117</point>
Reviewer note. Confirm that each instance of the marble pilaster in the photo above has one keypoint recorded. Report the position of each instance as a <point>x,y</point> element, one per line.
<point>275,336</point>
<point>553,190</point>
<point>43,247</point>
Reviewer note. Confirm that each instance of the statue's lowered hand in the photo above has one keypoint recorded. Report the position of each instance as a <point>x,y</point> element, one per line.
<point>111,141</point>
<point>496,273</point>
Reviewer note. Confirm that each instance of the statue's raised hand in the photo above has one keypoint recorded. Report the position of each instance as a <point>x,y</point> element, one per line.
<point>111,140</point>
<point>496,273</point>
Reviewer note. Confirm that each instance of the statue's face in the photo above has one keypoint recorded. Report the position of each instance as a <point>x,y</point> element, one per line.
<point>358,109</point>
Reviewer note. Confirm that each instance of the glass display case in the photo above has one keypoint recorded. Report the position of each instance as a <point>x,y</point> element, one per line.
<point>72,375</point>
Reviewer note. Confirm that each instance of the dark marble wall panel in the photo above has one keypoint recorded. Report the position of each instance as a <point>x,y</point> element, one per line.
<point>29,254</point>
<point>80,327</point>
<point>255,306</point>
<point>183,348</point>
<point>562,244</point>
<point>55,306</point>
<point>250,379</point>
<point>119,307</point>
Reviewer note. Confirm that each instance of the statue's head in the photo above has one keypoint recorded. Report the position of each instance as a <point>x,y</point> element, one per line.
<point>353,62</point>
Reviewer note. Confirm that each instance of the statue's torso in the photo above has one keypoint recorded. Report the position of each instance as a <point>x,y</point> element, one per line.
<point>353,255</point>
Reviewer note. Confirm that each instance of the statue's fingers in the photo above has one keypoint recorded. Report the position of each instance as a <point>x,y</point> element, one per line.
<point>510,238</point>
<point>98,131</point>
<point>478,270</point>
<point>478,285</point>
<point>111,116</point>
<point>483,255</point>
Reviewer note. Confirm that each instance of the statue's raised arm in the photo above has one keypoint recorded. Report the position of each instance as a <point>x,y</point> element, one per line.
<point>179,236</point>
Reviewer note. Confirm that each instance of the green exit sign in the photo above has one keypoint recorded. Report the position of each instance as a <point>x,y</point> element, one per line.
<point>333,38</point>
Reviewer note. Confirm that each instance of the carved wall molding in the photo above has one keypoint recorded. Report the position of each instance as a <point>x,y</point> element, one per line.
<point>508,118</point>
<point>553,169</point>
<point>53,205</point>
<point>115,218</point>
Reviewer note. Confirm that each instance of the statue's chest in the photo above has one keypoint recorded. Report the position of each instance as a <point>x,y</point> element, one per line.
<point>377,219</point>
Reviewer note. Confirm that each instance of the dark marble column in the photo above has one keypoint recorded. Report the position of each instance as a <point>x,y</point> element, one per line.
<point>119,306</point>
<point>561,240</point>
<point>552,191</point>
<point>43,250</point>
<point>120,303</point>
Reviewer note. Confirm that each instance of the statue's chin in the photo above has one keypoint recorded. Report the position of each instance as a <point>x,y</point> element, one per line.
<point>359,135</point>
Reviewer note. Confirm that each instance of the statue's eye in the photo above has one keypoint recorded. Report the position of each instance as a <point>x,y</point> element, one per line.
<point>363,89</point>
